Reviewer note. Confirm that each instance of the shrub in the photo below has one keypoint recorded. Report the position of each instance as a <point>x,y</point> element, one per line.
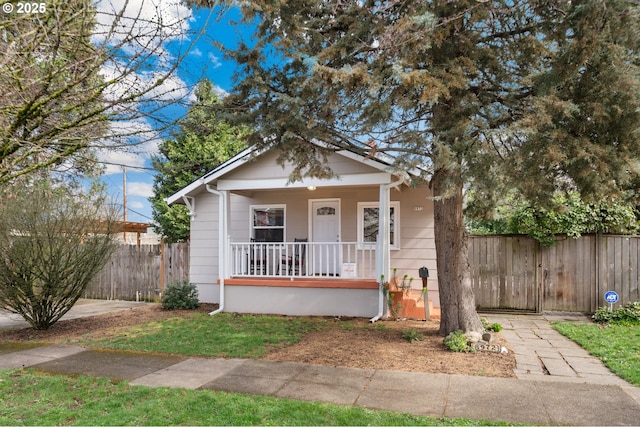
<point>495,327</point>
<point>629,314</point>
<point>180,295</point>
<point>412,335</point>
<point>456,341</point>
<point>53,240</point>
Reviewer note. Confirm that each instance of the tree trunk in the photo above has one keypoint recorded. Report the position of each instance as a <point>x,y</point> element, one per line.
<point>457,302</point>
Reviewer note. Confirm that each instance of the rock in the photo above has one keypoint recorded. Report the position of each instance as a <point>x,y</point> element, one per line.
<point>473,337</point>
<point>504,350</point>
<point>487,337</point>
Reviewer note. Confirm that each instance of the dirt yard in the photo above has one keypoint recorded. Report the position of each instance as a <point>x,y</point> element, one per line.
<point>345,342</point>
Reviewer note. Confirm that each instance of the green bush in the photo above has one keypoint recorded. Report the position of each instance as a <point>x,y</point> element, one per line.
<point>495,327</point>
<point>456,341</point>
<point>412,335</point>
<point>629,314</point>
<point>180,295</point>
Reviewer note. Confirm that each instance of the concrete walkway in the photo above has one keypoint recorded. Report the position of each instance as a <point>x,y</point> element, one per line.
<point>83,308</point>
<point>545,391</point>
<point>543,354</point>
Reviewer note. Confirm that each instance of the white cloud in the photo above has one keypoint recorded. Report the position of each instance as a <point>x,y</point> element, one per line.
<point>150,21</point>
<point>141,189</point>
<point>136,205</point>
<point>133,144</point>
<point>215,61</point>
<point>195,52</point>
<point>171,88</point>
<point>220,91</point>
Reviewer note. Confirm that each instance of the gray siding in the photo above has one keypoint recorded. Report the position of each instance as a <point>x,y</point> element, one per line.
<point>203,269</point>
<point>417,247</point>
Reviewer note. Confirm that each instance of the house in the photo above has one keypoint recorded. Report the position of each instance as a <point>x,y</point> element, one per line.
<point>260,244</point>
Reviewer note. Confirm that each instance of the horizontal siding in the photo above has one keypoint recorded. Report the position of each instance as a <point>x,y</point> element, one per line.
<point>416,223</point>
<point>266,167</point>
<point>203,269</point>
<point>417,242</point>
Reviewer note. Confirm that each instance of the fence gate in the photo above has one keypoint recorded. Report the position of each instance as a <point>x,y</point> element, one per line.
<point>516,273</point>
<point>569,275</point>
<point>504,272</point>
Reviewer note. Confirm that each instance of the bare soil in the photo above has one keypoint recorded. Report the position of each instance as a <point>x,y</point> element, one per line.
<point>344,342</point>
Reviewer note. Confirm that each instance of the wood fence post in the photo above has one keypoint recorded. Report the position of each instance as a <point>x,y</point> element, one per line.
<point>161,267</point>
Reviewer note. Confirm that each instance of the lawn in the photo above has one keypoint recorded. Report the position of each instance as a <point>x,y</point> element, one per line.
<point>618,346</point>
<point>223,335</point>
<point>31,398</point>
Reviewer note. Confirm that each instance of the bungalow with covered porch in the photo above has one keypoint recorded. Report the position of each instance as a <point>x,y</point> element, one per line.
<point>260,244</point>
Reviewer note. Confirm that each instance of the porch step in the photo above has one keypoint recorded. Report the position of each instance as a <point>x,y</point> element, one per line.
<point>414,309</point>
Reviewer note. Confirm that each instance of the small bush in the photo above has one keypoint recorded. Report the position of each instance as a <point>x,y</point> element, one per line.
<point>629,314</point>
<point>456,341</point>
<point>495,327</point>
<point>181,295</point>
<point>412,335</point>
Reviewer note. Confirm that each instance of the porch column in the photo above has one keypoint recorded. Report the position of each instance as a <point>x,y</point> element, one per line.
<point>382,252</point>
<point>225,238</point>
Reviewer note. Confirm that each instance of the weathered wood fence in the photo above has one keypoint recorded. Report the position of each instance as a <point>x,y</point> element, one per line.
<point>140,273</point>
<point>517,273</point>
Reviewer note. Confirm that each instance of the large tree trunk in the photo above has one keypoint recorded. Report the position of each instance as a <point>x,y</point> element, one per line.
<point>457,302</point>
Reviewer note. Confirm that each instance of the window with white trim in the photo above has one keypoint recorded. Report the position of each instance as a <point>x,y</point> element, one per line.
<point>267,223</point>
<point>368,223</point>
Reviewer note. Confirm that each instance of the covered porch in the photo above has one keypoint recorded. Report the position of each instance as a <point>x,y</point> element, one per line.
<point>303,259</point>
<point>264,244</point>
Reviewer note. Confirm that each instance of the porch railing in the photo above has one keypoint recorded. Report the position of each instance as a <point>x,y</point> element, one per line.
<point>303,259</point>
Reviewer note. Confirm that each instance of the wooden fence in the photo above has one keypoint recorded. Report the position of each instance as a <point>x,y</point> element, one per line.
<point>517,273</point>
<point>140,273</point>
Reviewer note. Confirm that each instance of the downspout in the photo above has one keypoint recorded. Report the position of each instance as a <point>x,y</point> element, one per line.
<point>221,243</point>
<point>383,242</point>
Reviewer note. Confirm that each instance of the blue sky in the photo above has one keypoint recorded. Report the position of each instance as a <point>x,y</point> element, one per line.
<point>202,60</point>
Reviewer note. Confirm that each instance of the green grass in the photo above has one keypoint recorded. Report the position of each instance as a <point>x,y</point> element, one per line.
<point>29,397</point>
<point>32,398</point>
<point>223,335</point>
<point>618,346</point>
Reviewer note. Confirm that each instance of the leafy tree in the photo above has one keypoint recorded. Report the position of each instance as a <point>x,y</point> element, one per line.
<point>80,76</point>
<point>487,95</point>
<point>53,241</point>
<point>569,215</point>
<point>202,142</point>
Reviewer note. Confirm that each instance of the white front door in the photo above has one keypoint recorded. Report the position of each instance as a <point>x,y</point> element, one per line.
<point>325,228</point>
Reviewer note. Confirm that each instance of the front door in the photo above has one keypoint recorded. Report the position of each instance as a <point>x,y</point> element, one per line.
<point>325,230</point>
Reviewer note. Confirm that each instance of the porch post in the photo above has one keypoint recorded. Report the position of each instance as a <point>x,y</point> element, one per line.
<point>382,254</point>
<point>225,250</point>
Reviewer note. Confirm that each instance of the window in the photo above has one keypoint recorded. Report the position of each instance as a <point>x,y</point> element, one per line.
<point>368,223</point>
<point>267,223</point>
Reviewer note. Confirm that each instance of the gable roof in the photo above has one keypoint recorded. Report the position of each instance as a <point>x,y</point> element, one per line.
<point>381,163</point>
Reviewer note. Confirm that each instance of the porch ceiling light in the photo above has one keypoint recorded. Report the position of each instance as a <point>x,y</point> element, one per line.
<point>311,187</point>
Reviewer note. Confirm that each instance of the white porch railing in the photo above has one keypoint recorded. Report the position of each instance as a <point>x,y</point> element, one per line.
<point>352,260</point>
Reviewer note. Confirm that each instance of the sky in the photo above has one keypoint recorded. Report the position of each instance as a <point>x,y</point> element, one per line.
<point>202,60</point>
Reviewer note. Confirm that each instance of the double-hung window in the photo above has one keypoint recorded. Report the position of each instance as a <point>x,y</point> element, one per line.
<point>267,223</point>
<point>368,223</point>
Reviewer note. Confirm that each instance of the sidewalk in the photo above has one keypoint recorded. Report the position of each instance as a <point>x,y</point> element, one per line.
<point>579,397</point>
<point>83,308</point>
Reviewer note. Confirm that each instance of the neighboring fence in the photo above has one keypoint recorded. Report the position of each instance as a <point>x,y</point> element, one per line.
<point>140,273</point>
<point>517,273</point>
